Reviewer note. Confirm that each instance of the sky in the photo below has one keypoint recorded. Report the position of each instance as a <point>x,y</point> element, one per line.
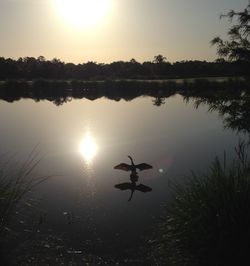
<point>79,31</point>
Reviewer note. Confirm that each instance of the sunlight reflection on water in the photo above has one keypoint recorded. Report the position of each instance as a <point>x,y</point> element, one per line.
<point>88,148</point>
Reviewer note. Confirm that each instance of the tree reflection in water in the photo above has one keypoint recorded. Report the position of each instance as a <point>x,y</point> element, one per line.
<point>232,105</point>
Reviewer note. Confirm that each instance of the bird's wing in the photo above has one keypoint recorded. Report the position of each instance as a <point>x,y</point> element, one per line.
<point>143,166</point>
<point>143,188</point>
<point>123,166</point>
<point>124,186</point>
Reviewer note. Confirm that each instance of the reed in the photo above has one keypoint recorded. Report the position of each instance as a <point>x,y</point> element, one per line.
<point>208,222</point>
<point>16,180</point>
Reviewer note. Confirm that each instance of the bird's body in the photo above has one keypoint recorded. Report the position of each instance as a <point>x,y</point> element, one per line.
<point>132,167</point>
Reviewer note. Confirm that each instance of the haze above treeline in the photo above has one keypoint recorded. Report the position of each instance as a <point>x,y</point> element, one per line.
<point>159,67</point>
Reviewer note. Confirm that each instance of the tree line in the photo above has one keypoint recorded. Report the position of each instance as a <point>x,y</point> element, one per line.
<point>40,68</point>
<point>234,60</point>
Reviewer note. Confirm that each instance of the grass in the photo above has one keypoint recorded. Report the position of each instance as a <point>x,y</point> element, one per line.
<point>208,222</point>
<point>15,182</point>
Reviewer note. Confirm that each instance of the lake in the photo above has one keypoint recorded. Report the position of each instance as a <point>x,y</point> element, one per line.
<point>80,142</point>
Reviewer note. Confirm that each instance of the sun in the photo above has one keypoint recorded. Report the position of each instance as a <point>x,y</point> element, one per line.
<point>83,13</point>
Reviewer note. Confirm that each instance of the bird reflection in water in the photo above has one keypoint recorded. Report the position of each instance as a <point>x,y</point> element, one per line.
<point>133,177</point>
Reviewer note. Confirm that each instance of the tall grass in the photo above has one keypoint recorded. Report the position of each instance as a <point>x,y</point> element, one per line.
<point>16,180</point>
<point>208,222</point>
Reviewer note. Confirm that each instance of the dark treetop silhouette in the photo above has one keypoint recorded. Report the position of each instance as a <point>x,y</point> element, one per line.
<point>237,47</point>
<point>133,177</point>
<point>30,68</point>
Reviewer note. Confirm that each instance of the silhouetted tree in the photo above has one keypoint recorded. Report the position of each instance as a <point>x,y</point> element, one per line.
<point>238,45</point>
<point>41,58</point>
<point>159,59</point>
<point>39,68</point>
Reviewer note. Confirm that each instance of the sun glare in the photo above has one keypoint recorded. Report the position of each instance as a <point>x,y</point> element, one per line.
<point>83,13</point>
<point>88,148</point>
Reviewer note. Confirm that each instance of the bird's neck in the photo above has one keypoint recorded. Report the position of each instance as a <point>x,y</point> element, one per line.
<point>132,162</point>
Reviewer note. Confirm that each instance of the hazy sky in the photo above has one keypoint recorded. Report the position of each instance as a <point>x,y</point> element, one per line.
<point>140,29</point>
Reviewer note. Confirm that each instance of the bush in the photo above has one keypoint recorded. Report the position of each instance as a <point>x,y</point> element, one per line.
<point>209,220</point>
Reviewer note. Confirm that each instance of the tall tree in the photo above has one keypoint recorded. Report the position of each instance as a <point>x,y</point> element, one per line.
<point>237,47</point>
<point>159,59</point>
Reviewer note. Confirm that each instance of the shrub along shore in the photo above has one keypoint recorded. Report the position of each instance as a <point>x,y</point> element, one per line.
<point>208,222</point>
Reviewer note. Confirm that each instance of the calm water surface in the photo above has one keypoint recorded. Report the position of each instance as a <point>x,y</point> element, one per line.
<point>81,141</point>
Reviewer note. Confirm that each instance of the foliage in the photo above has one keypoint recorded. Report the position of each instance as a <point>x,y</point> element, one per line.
<point>209,220</point>
<point>15,182</point>
<point>31,68</point>
<point>159,59</point>
<point>230,99</point>
<point>238,45</point>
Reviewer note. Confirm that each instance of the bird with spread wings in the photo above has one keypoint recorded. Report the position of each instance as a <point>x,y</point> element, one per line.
<point>132,167</point>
